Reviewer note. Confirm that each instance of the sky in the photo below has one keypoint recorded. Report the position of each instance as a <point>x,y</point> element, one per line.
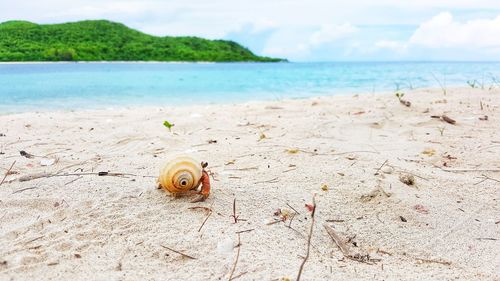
<point>301,30</point>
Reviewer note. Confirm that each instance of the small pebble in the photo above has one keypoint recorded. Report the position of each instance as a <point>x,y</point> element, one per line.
<point>387,170</point>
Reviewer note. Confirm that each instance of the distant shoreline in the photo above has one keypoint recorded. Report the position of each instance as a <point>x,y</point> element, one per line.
<point>122,62</point>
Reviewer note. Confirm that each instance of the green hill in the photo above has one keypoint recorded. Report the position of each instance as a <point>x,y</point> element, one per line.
<point>101,40</point>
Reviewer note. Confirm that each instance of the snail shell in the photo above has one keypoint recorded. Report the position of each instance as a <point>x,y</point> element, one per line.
<point>180,174</point>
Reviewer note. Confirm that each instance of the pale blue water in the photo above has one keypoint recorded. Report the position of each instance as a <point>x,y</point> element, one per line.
<point>26,87</point>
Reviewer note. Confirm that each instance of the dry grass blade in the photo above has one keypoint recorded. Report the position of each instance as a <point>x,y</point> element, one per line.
<point>345,251</point>
<point>338,241</point>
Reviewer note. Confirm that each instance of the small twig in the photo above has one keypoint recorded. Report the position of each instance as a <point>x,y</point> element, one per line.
<point>469,170</point>
<point>487,238</point>
<point>200,207</point>
<point>24,189</point>
<point>268,181</point>
<point>485,178</point>
<point>297,212</point>
<point>8,172</point>
<point>100,174</point>
<point>237,258</point>
<point>243,231</point>
<point>234,216</point>
<point>209,214</point>
<point>433,261</point>
<point>180,253</point>
<point>376,173</point>
<point>72,181</point>
<point>355,151</point>
<point>239,275</point>
<point>308,239</point>
<point>445,118</point>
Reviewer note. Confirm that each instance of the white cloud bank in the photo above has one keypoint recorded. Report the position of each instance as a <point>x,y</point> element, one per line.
<point>477,38</point>
<point>442,31</point>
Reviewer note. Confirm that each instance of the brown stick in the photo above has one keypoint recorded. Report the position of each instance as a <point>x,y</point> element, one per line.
<point>209,214</point>
<point>235,217</point>
<point>7,173</point>
<point>308,240</point>
<point>376,173</point>
<point>100,174</point>
<point>237,258</point>
<point>180,253</point>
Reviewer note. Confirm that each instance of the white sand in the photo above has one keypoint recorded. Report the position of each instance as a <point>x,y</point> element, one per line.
<point>113,228</point>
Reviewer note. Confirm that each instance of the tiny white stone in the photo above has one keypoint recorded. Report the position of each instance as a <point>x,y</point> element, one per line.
<point>47,162</point>
<point>387,169</point>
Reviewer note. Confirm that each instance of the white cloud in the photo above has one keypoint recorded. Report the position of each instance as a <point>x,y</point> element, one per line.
<point>329,33</point>
<point>301,43</point>
<point>392,45</point>
<point>442,31</point>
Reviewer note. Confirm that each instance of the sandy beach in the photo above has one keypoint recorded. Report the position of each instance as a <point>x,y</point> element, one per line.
<point>352,152</point>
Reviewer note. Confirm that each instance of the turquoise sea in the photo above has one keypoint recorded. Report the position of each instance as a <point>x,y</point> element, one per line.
<point>48,86</point>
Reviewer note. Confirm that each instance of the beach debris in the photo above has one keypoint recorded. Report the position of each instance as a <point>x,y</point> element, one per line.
<point>484,118</point>
<point>429,152</point>
<point>26,154</point>
<point>402,219</point>
<point>407,179</point>
<point>400,96</point>
<point>381,166</point>
<point>211,141</point>
<point>351,157</point>
<point>168,125</point>
<point>178,252</point>
<point>234,216</point>
<point>341,244</point>
<point>324,187</point>
<point>358,113</point>
<point>182,174</point>
<point>422,261</point>
<point>441,130</point>
<point>312,209</point>
<point>445,118</point>
<point>47,161</point>
<point>2,135</point>
<point>292,150</point>
<point>283,214</point>
<point>485,178</point>
<point>238,246</point>
<point>209,213</point>
<point>274,107</point>
<point>421,209</point>
<point>262,136</point>
<point>8,172</point>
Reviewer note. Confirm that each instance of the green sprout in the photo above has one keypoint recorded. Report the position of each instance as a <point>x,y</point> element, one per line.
<point>168,125</point>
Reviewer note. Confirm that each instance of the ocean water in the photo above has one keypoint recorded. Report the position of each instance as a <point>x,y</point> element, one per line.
<point>48,86</point>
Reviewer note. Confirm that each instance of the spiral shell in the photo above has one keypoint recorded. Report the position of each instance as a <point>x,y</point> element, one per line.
<point>180,174</point>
